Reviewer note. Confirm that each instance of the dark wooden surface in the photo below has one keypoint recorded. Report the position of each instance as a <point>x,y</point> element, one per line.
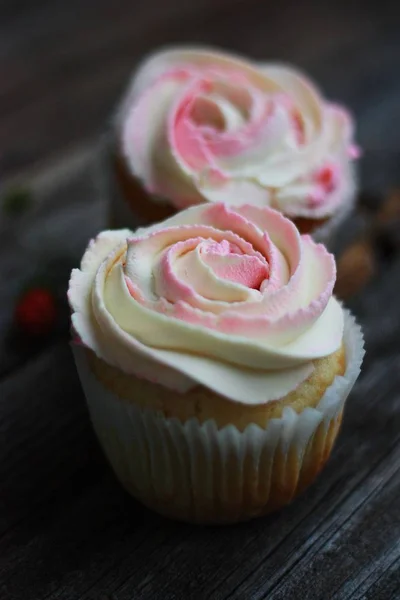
<point>67,530</point>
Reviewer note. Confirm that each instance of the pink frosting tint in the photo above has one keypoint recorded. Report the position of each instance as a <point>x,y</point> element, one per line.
<point>192,266</point>
<point>316,197</point>
<point>171,287</point>
<point>201,126</point>
<point>183,133</point>
<point>230,298</point>
<point>198,137</point>
<point>249,271</point>
<point>326,181</point>
<point>328,177</point>
<point>354,151</point>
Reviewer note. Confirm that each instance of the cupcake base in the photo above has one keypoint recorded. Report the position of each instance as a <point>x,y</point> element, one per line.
<point>287,476</point>
<point>199,472</point>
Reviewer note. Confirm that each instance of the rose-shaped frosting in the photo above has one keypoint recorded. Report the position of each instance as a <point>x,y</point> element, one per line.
<point>200,126</point>
<point>229,297</point>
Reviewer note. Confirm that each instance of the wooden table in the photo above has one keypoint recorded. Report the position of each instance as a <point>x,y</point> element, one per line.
<point>67,530</point>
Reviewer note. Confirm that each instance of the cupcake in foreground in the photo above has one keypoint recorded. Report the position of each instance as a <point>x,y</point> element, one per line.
<point>201,126</point>
<point>214,359</point>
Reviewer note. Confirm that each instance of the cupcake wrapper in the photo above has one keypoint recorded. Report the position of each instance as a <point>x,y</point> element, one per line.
<point>199,473</point>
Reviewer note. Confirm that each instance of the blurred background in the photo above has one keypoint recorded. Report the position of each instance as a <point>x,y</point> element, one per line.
<point>63,64</point>
<point>63,67</point>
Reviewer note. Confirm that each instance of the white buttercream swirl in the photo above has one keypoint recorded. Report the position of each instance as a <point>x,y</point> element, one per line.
<point>232,298</point>
<point>198,125</point>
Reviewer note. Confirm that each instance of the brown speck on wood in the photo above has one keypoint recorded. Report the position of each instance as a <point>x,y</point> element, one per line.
<point>355,268</point>
<point>390,209</point>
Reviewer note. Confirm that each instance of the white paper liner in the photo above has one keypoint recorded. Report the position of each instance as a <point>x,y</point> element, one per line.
<point>198,472</point>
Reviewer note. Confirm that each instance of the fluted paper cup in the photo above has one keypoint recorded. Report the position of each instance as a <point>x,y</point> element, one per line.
<point>198,472</point>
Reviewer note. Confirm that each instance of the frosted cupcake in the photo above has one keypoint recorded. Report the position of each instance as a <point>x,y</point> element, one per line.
<point>214,359</point>
<point>202,126</point>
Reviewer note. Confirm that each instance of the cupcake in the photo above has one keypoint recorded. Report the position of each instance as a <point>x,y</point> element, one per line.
<point>199,126</point>
<point>214,358</point>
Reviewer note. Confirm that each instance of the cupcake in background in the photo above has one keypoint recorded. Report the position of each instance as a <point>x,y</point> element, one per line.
<point>198,126</point>
<point>214,358</point>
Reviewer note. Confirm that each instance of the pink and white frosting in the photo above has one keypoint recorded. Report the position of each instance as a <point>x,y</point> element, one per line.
<point>233,298</point>
<point>198,125</point>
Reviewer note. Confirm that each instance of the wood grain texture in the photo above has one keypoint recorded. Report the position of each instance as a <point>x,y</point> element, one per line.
<point>67,529</point>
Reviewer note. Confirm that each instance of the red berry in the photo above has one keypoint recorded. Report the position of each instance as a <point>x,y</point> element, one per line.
<point>35,313</point>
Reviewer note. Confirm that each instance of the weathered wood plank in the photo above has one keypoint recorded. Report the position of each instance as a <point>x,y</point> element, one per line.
<point>262,554</point>
<point>64,497</point>
<point>376,581</point>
